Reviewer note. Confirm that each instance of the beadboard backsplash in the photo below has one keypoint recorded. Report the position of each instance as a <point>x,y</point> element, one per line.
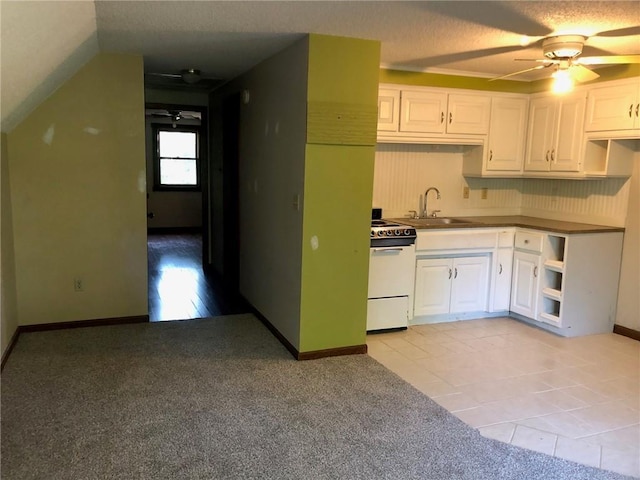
<point>403,172</point>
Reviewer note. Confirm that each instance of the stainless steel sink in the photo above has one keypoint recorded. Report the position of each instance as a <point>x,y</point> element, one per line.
<point>435,221</point>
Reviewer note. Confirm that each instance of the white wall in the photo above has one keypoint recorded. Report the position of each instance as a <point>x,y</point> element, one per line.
<point>628,314</point>
<point>404,172</point>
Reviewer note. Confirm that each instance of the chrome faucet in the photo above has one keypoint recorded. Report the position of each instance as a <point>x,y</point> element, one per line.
<point>425,212</point>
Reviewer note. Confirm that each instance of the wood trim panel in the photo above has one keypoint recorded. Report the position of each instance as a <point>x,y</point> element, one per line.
<point>627,332</point>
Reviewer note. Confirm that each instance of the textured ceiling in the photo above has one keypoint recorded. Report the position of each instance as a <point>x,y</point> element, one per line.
<point>44,42</point>
<point>224,39</point>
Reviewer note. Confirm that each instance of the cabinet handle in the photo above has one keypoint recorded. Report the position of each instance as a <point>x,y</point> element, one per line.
<point>490,155</point>
<point>455,275</point>
<point>500,271</point>
<point>441,117</point>
<point>630,110</point>
<point>547,156</point>
<point>553,154</point>
<point>450,117</point>
<point>535,271</point>
<point>526,241</point>
<point>637,109</point>
<point>449,274</point>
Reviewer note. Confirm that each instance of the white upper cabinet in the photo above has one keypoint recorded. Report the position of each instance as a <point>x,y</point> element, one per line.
<point>505,152</point>
<point>429,115</point>
<point>555,133</point>
<point>614,107</point>
<point>423,112</point>
<point>388,109</point>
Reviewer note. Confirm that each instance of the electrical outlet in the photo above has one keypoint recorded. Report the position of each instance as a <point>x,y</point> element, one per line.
<point>483,193</point>
<point>78,285</point>
<point>465,192</point>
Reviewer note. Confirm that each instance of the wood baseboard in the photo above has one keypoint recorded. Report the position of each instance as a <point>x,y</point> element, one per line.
<point>12,343</point>
<point>627,332</point>
<point>98,322</point>
<point>174,230</point>
<point>43,327</point>
<point>313,355</point>
<point>333,352</point>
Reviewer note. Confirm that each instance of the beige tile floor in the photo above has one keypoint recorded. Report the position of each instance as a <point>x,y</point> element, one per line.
<point>575,398</point>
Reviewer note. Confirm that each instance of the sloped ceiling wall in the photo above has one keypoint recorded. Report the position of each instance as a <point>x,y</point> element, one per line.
<point>42,44</point>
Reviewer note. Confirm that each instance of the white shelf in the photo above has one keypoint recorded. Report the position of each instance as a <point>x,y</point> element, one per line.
<point>555,265</point>
<point>552,293</point>
<point>549,318</point>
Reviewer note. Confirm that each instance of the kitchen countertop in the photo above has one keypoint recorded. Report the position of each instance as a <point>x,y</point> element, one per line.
<point>556,226</point>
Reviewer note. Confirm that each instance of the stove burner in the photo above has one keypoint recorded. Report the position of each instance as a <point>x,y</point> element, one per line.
<point>385,233</point>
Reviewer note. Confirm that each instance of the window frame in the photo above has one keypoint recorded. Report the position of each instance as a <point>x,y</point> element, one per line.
<point>167,127</point>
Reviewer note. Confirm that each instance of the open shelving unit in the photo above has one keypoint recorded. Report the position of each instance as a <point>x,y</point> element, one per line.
<point>553,279</point>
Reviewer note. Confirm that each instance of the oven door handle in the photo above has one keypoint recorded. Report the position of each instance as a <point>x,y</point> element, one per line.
<point>388,249</point>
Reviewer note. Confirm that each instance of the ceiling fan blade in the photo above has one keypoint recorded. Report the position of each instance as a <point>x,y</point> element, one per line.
<point>444,59</point>
<point>608,60</point>
<point>499,15</point>
<point>166,75</point>
<point>582,74</point>
<point>620,32</point>
<point>540,60</point>
<point>518,73</point>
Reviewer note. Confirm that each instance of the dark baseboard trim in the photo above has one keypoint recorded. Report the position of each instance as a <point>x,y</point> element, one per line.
<point>98,322</point>
<point>43,327</point>
<point>333,352</point>
<point>313,355</point>
<point>12,343</point>
<point>626,332</point>
<point>174,230</point>
<point>276,333</point>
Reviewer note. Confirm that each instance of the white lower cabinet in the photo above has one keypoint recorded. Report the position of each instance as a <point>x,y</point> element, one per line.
<point>451,285</point>
<point>526,283</point>
<point>502,279</point>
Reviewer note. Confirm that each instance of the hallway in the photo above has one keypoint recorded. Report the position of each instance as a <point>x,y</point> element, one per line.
<point>178,287</point>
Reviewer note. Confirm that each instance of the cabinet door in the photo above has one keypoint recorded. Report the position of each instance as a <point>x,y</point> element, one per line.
<point>524,291</point>
<point>422,112</point>
<point>502,279</point>
<point>469,287</point>
<point>433,286</point>
<point>565,156</point>
<point>468,114</point>
<point>540,137</point>
<point>388,109</point>
<point>612,108</point>
<point>507,131</point>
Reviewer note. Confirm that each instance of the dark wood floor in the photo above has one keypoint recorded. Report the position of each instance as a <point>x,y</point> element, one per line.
<point>178,287</point>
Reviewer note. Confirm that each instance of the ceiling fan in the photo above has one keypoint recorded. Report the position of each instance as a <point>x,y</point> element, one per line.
<point>563,52</point>
<point>174,115</point>
<point>189,78</point>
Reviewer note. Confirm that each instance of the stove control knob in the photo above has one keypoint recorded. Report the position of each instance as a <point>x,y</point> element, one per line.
<point>373,234</point>
<point>407,231</point>
<point>398,232</point>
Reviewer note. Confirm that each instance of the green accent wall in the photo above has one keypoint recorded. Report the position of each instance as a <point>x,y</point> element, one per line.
<point>338,188</point>
<point>78,197</point>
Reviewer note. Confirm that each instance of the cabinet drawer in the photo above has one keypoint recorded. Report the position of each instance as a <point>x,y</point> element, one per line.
<point>529,241</point>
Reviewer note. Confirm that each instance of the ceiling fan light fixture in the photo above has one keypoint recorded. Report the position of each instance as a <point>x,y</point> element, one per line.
<point>190,76</point>
<point>563,46</point>
<point>562,81</point>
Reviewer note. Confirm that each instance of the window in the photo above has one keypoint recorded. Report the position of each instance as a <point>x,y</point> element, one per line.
<point>176,158</point>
